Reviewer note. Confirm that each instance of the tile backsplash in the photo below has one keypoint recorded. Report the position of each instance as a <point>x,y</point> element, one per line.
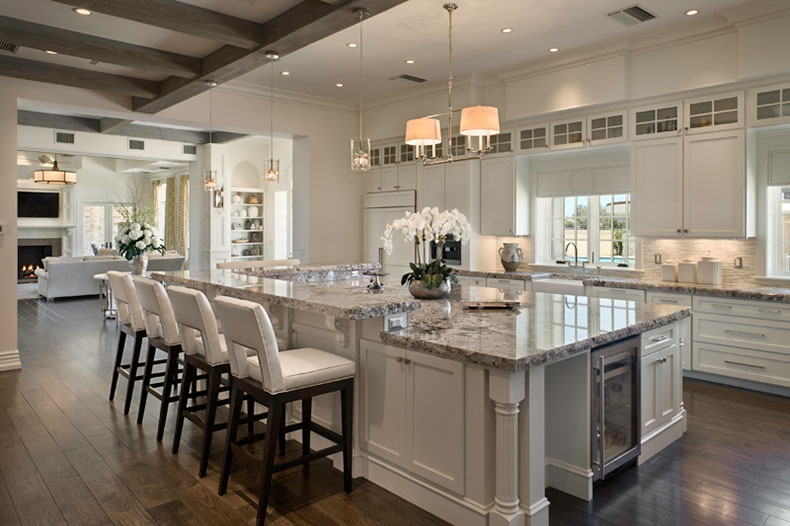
<point>724,250</point>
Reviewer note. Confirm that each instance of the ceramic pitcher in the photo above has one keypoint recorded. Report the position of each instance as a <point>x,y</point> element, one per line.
<point>510,255</point>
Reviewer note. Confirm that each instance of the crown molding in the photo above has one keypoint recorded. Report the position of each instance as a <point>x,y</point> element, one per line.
<point>255,91</point>
<point>758,11</point>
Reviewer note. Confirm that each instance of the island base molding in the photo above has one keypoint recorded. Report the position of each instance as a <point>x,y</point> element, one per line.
<point>9,361</point>
<point>662,437</point>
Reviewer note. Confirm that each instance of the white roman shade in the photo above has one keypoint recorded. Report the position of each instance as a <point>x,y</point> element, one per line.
<point>779,167</point>
<point>590,174</point>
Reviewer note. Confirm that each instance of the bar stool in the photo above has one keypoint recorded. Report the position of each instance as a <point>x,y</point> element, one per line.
<point>163,334</point>
<point>273,379</point>
<point>130,320</point>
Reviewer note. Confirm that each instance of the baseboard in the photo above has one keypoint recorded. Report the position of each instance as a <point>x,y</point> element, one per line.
<point>9,361</point>
<point>569,479</point>
<point>663,436</point>
<point>737,382</point>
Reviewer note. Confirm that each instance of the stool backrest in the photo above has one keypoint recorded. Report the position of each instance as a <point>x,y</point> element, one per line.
<point>196,317</point>
<point>160,321</point>
<point>247,326</point>
<point>129,311</point>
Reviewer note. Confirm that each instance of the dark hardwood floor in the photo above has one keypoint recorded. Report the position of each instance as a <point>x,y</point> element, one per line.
<point>68,456</point>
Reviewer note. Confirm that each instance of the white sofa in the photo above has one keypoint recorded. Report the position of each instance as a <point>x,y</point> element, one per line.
<point>64,277</point>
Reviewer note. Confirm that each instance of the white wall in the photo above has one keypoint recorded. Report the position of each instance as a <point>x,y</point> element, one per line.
<point>9,355</point>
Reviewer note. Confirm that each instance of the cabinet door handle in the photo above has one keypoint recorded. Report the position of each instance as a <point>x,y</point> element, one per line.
<point>671,302</point>
<point>685,230</point>
<point>399,359</point>
<point>771,311</point>
<point>721,305</point>
<point>678,231</point>
<point>745,364</point>
<point>744,333</point>
<point>407,361</point>
<point>662,360</point>
<point>659,338</point>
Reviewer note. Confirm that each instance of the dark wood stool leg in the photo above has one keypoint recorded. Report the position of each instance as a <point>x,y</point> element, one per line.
<point>118,361</point>
<point>236,396</point>
<point>273,423</point>
<point>212,395</point>
<point>147,370</point>
<point>138,344</point>
<point>307,412</point>
<point>347,406</point>
<point>171,371</point>
<point>187,384</point>
<point>250,413</point>
<point>282,432</point>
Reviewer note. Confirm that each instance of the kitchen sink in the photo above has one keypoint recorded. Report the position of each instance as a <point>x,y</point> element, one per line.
<point>559,286</point>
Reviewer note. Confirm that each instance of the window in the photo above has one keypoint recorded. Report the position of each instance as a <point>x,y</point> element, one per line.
<point>597,224</point>
<point>99,227</point>
<point>779,227</point>
<point>161,206</point>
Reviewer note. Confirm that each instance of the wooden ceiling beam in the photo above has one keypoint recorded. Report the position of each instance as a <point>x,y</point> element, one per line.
<point>77,77</point>
<point>108,124</point>
<point>182,18</point>
<point>300,26</point>
<point>38,36</point>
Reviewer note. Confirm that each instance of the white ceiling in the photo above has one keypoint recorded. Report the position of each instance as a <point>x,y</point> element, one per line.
<point>416,29</point>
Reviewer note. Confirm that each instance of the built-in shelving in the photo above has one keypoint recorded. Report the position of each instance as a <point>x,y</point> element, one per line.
<point>246,231</point>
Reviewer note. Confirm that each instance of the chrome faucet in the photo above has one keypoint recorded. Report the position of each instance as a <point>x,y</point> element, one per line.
<point>575,253</point>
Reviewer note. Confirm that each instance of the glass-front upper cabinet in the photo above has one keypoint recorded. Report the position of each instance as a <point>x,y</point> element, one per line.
<point>532,139</point>
<point>607,128</point>
<point>718,112</point>
<point>770,105</point>
<point>389,155</point>
<point>375,156</point>
<point>406,153</point>
<point>568,134</point>
<point>502,142</point>
<point>657,120</point>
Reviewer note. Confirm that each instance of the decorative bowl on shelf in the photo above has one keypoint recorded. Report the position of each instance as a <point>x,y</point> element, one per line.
<point>253,200</point>
<point>240,241</point>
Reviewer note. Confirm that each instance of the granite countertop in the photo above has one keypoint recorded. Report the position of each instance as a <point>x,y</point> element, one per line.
<point>546,328</point>
<point>310,273</point>
<point>346,298</point>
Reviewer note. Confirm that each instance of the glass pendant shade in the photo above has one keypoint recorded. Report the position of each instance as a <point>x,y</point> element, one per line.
<point>209,180</point>
<point>273,173</point>
<point>55,176</point>
<point>480,121</point>
<point>360,155</point>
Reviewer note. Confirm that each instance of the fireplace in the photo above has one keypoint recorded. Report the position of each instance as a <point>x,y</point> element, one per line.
<point>30,256</point>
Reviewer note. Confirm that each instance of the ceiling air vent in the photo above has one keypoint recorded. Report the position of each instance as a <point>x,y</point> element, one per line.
<point>64,138</point>
<point>629,16</point>
<point>136,144</point>
<point>6,47</point>
<point>409,79</point>
<point>190,149</point>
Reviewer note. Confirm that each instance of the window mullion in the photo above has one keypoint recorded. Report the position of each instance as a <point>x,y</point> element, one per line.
<point>593,227</point>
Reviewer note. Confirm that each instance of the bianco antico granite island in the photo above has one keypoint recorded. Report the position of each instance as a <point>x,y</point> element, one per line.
<point>468,414</point>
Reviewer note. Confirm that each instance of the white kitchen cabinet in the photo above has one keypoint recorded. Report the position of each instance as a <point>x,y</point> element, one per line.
<point>407,177</point>
<point>607,128</point>
<point>456,188</point>
<point>712,113</point>
<point>661,380</point>
<point>389,179</point>
<point>656,120</point>
<point>532,139</point>
<point>406,418</point>
<point>769,105</point>
<point>395,178</point>
<point>714,185</point>
<point>504,194</point>
<point>375,157</point>
<point>616,293</point>
<point>375,223</point>
<point>568,134</point>
<point>406,154</point>
<point>679,300</point>
<point>505,284</point>
<point>376,219</point>
<point>373,180</point>
<point>389,155</point>
<point>657,187</point>
<point>430,187</point>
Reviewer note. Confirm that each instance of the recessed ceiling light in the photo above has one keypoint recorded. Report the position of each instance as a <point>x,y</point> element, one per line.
<point>50,52</point>
<point>285,73</point>
<point>507,30</point>
<point>339,84</point>
<point>692,12</point>
<point>82,11</point>
<point>352,44</point>
<point>553,49</point>
<point>409,61</point>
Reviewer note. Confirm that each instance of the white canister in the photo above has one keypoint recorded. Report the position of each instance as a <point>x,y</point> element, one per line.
<point>709,271</point>
<point>252,211</point>
<point>687,272</point>
<point>669,272</point>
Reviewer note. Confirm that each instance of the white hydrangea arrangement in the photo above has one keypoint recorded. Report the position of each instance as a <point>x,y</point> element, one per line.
<point>136,235</point>
<point>421,228</point>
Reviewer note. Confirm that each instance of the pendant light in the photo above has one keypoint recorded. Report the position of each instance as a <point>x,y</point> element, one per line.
<point>477,122</point>
<point>360,148</point>
<point>55,176</point>
<point>273,165</point>
<point>209,175</point>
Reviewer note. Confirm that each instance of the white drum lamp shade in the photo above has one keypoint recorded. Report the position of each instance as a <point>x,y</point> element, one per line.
<point>423,132</point>
<point>479,121</point>
<point>54,176</point>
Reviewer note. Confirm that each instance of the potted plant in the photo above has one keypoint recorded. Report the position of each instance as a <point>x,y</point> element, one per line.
<point>428,279</point>
<point>137,236</point>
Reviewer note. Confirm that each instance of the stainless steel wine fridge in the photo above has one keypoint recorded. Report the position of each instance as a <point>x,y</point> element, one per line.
<point>615,406</point>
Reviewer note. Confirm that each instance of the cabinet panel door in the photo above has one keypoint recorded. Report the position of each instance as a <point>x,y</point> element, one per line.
<point>456,188</point>
<point>657,187</point>
<point>431,187</point>
<point>711,113</point>
<point>373,181</point>
<point>402,251</point>
<point>715,185</point>
<point>657,120</point>
<point>383,398</point>
<point>375,222</point>
<point>407,177</point>
<point>497,197</point>
<point>568,134</point>
<point>670,378</point>
<point>389,179</point>
<point>435,409</point>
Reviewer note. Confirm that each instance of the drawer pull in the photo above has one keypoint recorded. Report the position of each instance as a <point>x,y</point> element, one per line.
<point>744,333</point>
<point>772,311</point>
<point>744,364</point>
<point>673,302</point>
<point>721,305</point>
<point>662,360</point>
<point>660,338</point>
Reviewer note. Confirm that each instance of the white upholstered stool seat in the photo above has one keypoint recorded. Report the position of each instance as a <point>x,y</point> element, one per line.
<point>306,367</point>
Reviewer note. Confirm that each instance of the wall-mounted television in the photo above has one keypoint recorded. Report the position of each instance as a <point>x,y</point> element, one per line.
<point>38,204</point>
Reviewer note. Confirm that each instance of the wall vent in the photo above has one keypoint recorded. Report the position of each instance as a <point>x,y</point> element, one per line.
<point>64,138</point>
<point>136,144</point>
<point>7,47</point>
<point>190,149</point>
<point>409,79</point>
<point>630,16</point>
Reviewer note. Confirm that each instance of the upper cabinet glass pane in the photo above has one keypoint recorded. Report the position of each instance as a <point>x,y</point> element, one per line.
<point>768,97</point>
<point>730,103</point>
<point>646,116</point>
<point>667,113</point>
<point>701,107</point>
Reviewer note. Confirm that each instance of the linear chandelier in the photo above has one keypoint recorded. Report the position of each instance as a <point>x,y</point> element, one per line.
<point>478,123</point>
<point>55,176</point>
